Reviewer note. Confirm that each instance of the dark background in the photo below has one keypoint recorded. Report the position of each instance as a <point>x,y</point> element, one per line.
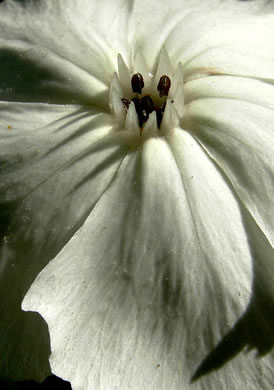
<point>49,383</point>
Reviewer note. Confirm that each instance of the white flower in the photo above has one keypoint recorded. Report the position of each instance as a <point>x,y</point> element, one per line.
<point>158,223</point>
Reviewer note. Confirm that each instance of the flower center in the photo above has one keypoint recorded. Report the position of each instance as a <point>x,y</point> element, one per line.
<point>144,103</point>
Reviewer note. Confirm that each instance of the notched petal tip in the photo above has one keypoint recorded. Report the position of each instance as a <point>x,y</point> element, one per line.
<point>178,102</point>
<point>115,83</point>
<point>170,118</point>
<point>140,65</point>
<point>178,77</point>
<point>117,106</point>
<point>124,75</point>
<point>164,66</point>
<point>131,122</point>
<point>151,129</point>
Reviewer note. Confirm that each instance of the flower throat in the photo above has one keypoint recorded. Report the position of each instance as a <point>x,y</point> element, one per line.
<point>144,105</point>
<point>147,103</point>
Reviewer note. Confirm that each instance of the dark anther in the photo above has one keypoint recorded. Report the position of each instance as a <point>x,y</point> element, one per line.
<point>147,104</point>
<point>144,107</point>
<point>137,83</point>
<point>159,114</point>
<point>163,86</point>
<point>126,103</point>
<point>137,104</point>
<point>143,117</point>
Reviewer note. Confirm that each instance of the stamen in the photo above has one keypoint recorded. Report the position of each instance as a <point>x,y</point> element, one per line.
<point>163,86</point>
<point>126,103</point>
<point>141,65</point>
<point>147,104</point>
<point>160,113</point>
<point>137,83</point>
<point>136,102</point>
<point>164,66</point>
<point>134,99</point>
<point>144,107</point>
<point>147,107</point>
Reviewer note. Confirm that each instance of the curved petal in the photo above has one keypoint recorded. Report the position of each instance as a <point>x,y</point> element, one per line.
<point>61,51</point>
<point>55,163</point>
<point>153,279</point>
<point>238,135</point>
<point>230,87</point>
<point>135,294</point>
<point>223,43</point>
<point>178,23</point>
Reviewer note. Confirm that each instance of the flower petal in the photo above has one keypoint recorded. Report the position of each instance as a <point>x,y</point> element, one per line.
<point>238,135</point>
<point>56,161</point>
<point>177,24</point>
<point>153,279</point>
<point>216,44</point>
<point>61,52</point>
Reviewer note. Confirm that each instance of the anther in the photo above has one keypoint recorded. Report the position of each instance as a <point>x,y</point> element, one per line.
<point>160,114</point>
<point>144,107</point>
<point>163,86</point>
<point>126,103</point>
<point>137,83</point>
<point>147,104</point>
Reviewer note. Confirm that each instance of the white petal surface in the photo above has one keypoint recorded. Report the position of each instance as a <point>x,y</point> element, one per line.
<point>166,252</point>
<point>54,167</point>
<point>177,22</point>
<point>153,279</point>
<point>61,51</point>
<point>219,44</point>
<point>238,135</point>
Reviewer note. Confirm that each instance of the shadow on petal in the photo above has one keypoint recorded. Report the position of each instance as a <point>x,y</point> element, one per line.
<point>35,227</point>
<point>35,74</point>
<point>255,330</point>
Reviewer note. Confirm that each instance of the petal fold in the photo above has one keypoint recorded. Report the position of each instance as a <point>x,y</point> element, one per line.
<point>156,263</point>
<point>238,136</point>
<point>49,49</point>
<point>55,163</point>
